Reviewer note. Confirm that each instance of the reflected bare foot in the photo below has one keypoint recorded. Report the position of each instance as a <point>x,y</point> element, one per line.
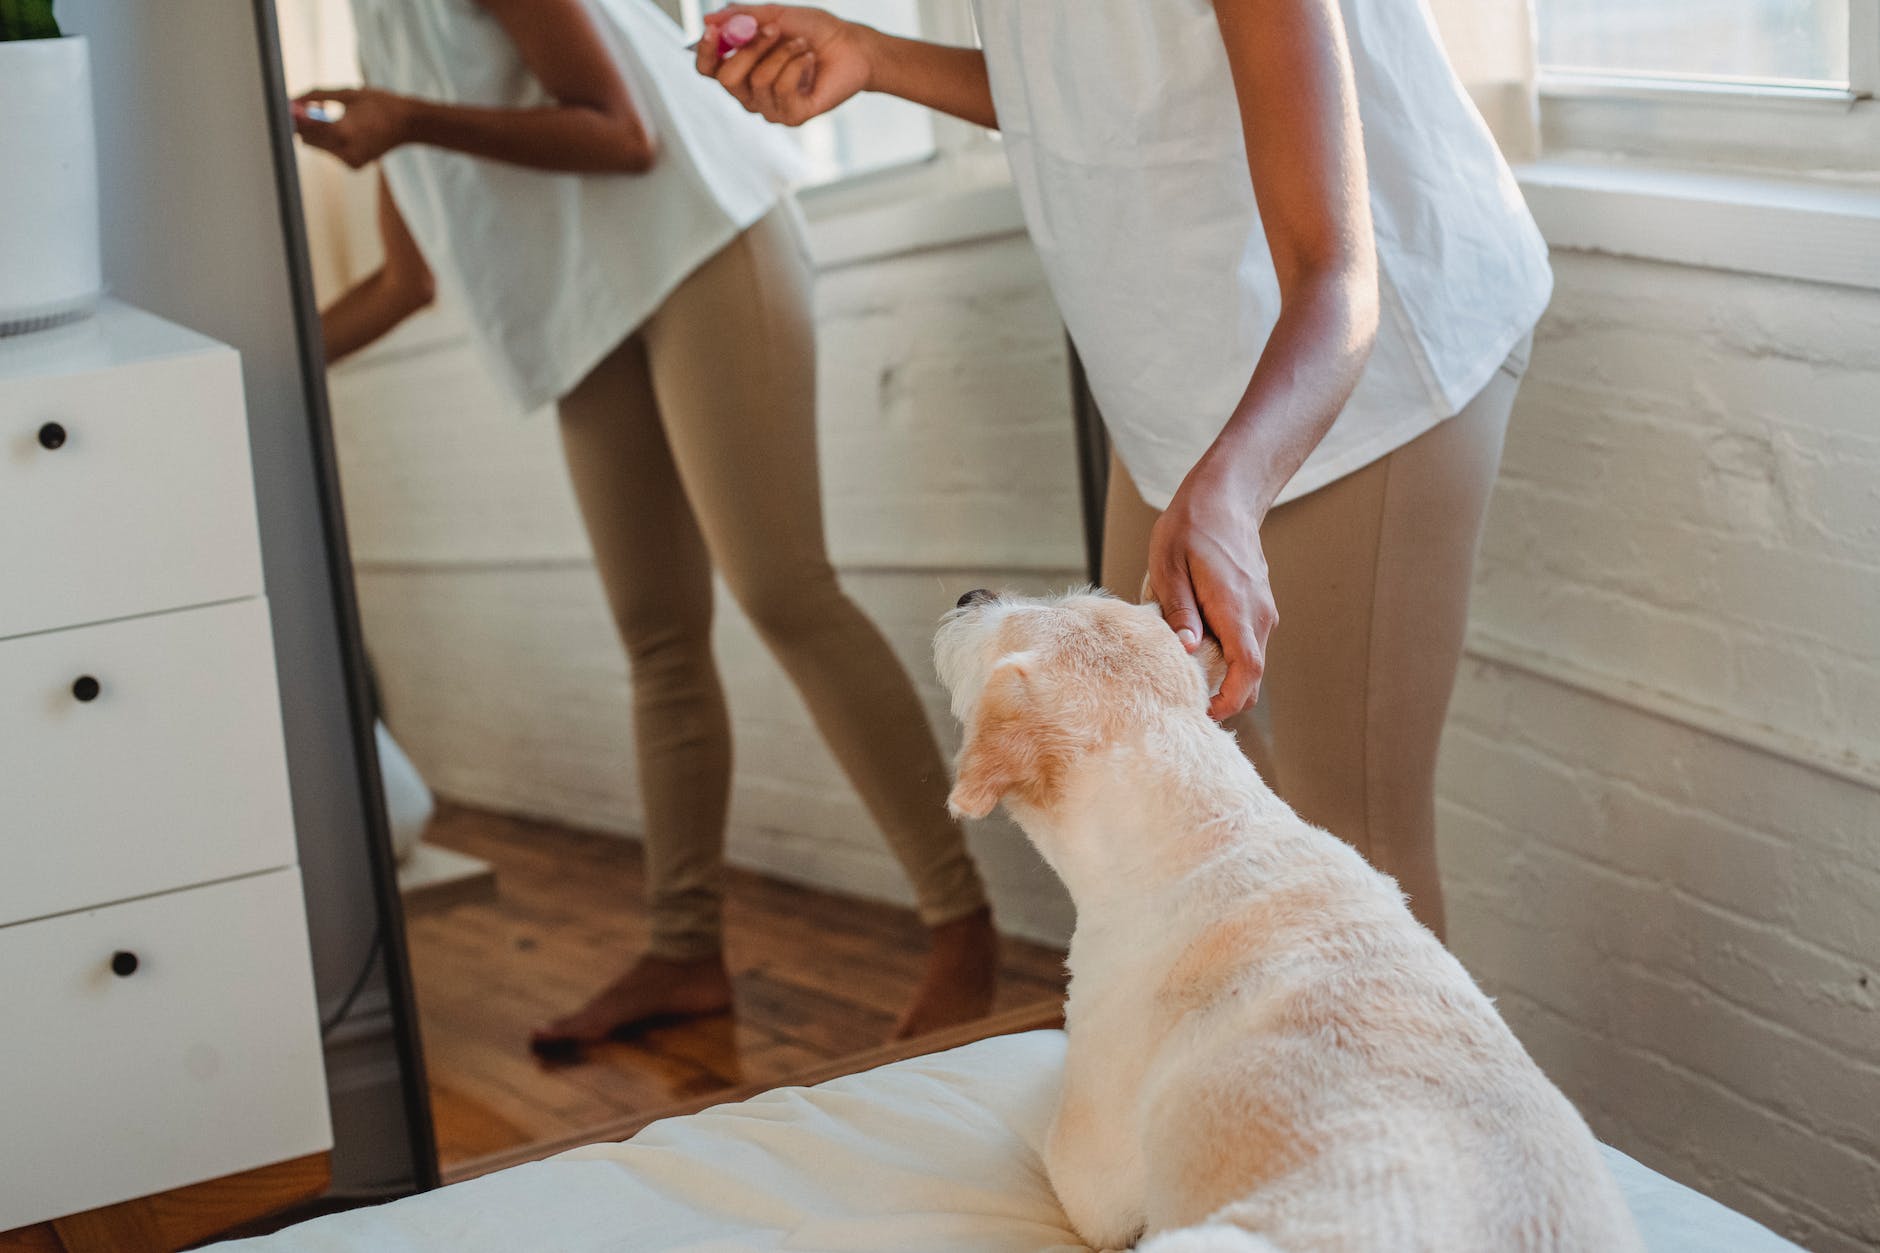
<point>652,989</point>
<point>962,973</point>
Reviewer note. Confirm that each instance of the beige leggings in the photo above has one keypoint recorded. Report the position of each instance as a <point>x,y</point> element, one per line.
<point>694,445</point>
<point>1371,575</point>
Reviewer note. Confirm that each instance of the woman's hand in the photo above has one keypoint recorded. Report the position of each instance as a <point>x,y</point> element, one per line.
<point>374,123</point>
<point>1208,573</point>
<point>803,62</point>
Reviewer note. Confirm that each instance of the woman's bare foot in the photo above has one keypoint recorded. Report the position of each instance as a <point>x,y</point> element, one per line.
<point>962,972</point>
<point>652,988</point>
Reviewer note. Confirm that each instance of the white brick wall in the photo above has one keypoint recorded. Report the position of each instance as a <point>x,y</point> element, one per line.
<point>1660,816</point>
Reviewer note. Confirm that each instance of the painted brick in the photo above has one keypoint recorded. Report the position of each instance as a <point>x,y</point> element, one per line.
<point>1843,912</point>
<point>1840,398</point>
<point>1521,789</point>
<point>1551,533</point>
<point>1706,855</point>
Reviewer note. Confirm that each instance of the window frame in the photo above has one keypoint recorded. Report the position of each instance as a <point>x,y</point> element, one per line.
<point>1777,127</point>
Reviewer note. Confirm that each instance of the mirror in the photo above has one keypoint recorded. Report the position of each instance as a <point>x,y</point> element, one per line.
<point>656,488</point>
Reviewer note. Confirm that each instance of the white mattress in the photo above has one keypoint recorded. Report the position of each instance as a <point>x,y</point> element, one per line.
<point>939,1154</point>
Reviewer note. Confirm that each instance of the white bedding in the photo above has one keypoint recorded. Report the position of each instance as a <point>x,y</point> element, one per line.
<point>939,1154</point>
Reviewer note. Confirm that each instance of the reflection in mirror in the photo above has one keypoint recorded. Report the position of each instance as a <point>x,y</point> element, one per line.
<point>639,465</point>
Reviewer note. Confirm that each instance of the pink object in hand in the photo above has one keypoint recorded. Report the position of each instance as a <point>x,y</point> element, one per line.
<point>737,31</point>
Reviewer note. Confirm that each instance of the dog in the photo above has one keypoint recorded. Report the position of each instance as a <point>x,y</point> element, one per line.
<point>1267,1052</point>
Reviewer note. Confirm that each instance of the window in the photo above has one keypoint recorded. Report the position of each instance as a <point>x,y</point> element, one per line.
<point>1800,43</point>
<point>1778,86</point>
<point>871,132</point>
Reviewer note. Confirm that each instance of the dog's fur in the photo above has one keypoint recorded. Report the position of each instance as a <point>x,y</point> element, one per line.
<point>1267,1052</point>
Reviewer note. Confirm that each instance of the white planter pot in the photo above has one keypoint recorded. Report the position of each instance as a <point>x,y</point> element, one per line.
<point>48,184</point>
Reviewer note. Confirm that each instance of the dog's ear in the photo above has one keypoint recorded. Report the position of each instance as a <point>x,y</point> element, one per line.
<point>1213,664</point>
<point>1208,656</point>
<point>1008,746</point>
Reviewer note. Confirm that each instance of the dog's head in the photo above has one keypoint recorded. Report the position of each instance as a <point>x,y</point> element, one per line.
<point>1040,684</point>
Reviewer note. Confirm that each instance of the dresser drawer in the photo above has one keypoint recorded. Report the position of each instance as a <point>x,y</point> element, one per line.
<point>154,1044</point>
<point>123,490</point>
<point>140,756</point>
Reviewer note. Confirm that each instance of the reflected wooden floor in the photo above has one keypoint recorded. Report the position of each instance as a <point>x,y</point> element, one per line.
<point>819,978</point>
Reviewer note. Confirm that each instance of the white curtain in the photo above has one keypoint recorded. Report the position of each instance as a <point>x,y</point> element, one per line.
<point>1491,44</point>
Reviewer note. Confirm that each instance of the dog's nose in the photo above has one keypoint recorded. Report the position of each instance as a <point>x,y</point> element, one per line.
<point>978,596</point>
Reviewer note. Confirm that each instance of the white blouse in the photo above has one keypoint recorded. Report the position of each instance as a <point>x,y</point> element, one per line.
<point>555,270</point>
<point>1123,132</point>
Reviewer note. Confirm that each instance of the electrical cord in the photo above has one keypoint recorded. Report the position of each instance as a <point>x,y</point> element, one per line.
<point>328,1025</point>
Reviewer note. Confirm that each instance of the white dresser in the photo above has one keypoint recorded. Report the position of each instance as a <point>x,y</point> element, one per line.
<point>158,1025</point>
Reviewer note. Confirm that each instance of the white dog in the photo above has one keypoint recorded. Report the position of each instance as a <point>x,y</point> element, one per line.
<point>1266,1051</point>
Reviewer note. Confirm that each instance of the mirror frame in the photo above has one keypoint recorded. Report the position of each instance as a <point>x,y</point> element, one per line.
<point>394,954</point>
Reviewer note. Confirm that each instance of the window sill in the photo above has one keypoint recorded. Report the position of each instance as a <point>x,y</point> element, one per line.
<point>1814,230</point>
<point>1813,98</point>
<point>1817,231</point>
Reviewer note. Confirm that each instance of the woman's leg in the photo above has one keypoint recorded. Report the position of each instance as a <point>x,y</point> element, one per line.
<point>733,364</point>
<point>657,577</point>
<point>1372,576</point>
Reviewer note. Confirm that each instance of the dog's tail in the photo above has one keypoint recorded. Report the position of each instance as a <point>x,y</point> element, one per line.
<point>1209,1238</point>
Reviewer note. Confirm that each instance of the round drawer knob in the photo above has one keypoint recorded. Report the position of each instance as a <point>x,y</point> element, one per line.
<point>123,963</point>
<point>51,436</point>
<point>85,688</point>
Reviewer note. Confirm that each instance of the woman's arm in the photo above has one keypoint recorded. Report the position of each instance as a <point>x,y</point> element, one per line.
<point>593,126</point>
<point>400,287</point>
<point>1299,110</point>
<point>804,62</point>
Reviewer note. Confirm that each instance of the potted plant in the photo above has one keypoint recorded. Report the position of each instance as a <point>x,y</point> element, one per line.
<point>49,269</point>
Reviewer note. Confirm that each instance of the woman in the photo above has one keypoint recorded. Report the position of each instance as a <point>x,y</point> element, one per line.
<point>619,236</point>
<point>1302,282</point>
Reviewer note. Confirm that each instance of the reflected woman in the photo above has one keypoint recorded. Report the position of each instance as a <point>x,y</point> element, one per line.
<point>620,237</point>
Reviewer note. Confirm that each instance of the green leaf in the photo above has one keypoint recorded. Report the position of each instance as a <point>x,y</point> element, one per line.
<point>27,19</point>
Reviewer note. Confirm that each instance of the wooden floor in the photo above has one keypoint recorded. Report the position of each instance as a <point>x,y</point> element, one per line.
<point>818,978</point>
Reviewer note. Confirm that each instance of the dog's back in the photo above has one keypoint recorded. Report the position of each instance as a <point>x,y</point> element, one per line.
<point>1338,1082</point>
